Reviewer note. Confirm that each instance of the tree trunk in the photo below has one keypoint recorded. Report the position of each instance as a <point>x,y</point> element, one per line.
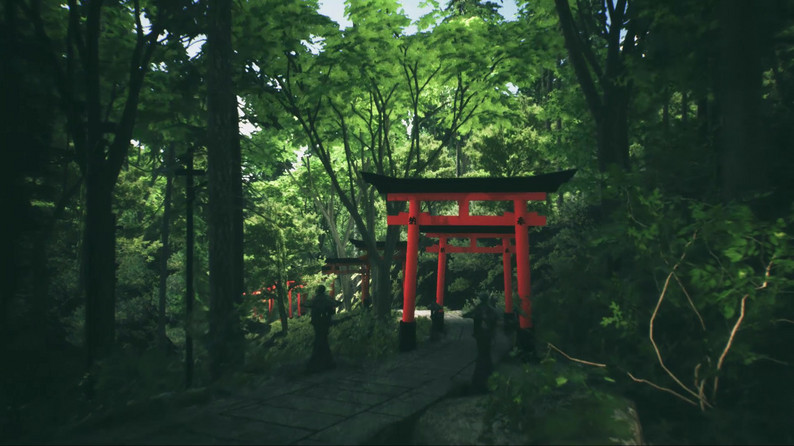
<point>225,195</point>
<point>383,298</point>
<point>99,257</point>
<point>609,106</point>
<point>164,251</point>
<point>189,251</point>
<point>740,100</point>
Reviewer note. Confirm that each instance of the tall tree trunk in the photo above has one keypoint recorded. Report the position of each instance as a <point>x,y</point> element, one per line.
<point>164,250</point>
<point>99,257</point>
<point>11,139</point>
<point>225,195</point>
<point>99,152</point>
<point>606,88</point>
<point>740,99</point>
<point>190,195</point>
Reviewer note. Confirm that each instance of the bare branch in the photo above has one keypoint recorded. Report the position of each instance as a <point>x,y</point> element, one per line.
<point>663,389</point>
<point>581,361</point>
<point>692,304</point>
<point>728,345</point>
<point>766,275</point>
<point>653,318</point>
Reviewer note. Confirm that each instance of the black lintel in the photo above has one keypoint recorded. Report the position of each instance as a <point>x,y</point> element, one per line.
<point>548,182</point>
<point>464,229</point>
<point>360,244</point>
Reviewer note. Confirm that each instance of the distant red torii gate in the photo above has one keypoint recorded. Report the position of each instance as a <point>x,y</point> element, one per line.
<point>518,190</point>
<point>358,265</point>
<point>345,266</point>
<point>504,233</point>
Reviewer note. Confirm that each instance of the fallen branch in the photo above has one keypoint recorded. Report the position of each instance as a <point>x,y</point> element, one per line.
<point>581,361</point>
<point>663,389</point>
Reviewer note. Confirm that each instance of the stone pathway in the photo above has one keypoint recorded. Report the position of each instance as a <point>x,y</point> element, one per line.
<point>348,405</point>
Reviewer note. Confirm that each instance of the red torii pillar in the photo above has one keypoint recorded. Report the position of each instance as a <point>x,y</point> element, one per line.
<point>442,248</point>
<point>442,271</point>
<point>507,266</point>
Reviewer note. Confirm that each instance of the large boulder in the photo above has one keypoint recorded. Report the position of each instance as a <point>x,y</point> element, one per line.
<point>594,417</point>
<point>462,420</point>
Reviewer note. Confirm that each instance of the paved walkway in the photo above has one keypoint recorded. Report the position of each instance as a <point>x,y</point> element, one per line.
<point>348,405</point>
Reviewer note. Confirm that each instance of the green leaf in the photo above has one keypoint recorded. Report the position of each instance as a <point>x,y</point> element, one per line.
<point>733,254</point>
<point>728,311</point>
<point>561,380</point>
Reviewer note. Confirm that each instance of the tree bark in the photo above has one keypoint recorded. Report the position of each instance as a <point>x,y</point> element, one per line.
<point>225,195</point>
<point>99,257</point>
<point>740,100</point>
<point>606,88</point>
<point>164,250</point>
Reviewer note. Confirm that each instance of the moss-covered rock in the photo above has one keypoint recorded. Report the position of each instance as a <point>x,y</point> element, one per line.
<point>548,403</point>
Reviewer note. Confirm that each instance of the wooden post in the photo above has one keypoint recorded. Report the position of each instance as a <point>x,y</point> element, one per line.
<point>442,270</point>
<point>507,266</point>
<point>365,284</point>
<point>411,258</point>
<point>522,263</point>
<point>289,296</point>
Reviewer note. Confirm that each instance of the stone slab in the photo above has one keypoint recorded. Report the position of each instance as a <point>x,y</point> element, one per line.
<point>411,403</point>
<point>301,402</point>
<point>364,385</point>
<point>356,430</point>
<point>302,419</point>
<point>351,396</point>
<point>245,431</point>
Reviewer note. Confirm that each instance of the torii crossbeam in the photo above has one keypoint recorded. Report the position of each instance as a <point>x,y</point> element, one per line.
<point>517,190</point>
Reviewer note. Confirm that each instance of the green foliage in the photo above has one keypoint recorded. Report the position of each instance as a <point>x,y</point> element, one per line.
<point>556,402</point>
<point>130,376</point>
<point>357,336</point>
<point>707,281</point>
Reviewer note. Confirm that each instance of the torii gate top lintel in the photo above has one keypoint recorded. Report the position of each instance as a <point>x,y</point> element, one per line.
<point>471,188</point>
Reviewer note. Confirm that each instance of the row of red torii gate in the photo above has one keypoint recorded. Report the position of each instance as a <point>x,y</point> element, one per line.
<point>511,228</point>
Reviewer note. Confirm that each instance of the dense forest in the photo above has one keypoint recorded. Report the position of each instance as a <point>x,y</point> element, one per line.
<point>167,163</point>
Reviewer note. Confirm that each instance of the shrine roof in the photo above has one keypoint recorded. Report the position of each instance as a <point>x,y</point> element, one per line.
<point>360,244</point>
<point>548,182</point>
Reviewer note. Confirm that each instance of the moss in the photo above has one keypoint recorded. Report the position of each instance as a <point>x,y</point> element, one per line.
<point>594,417</point>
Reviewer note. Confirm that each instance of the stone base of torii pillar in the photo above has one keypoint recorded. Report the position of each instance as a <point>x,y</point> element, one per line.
<point>407,336</point>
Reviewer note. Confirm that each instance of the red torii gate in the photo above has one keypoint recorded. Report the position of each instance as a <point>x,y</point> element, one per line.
<point>349,265</point>
<point>518,190</point>
<point>291,285</point>
<point>380,245</point>
<point>504,233</point>
<point>358,265</point>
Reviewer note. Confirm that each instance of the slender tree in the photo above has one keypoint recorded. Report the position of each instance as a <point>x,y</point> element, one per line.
<point>100,130</point>
<point>599,38</point>
<point>225,194</point>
